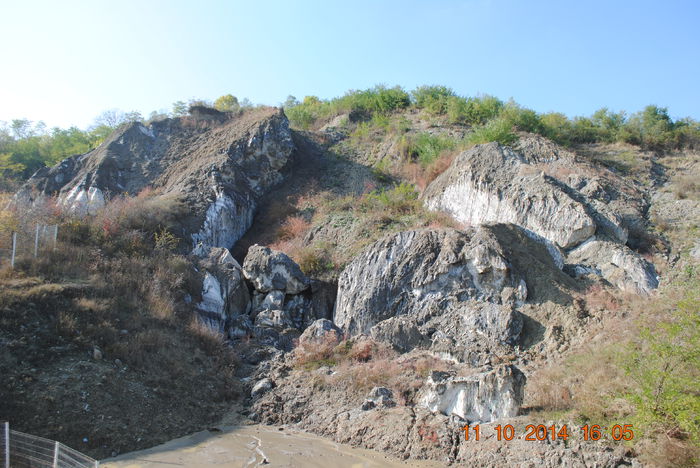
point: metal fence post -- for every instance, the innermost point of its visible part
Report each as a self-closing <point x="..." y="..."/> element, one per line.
<point x="14" y="248"/>
<point x="7" y="439"/>
<point x="36" y="241"/>
<point x="56" y="448"/>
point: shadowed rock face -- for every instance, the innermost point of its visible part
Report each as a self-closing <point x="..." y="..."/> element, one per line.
<point x="218" y="167"/>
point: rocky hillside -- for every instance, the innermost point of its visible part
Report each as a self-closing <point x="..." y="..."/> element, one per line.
<point x="219" y="165"/>
<point x="376" y="301"/>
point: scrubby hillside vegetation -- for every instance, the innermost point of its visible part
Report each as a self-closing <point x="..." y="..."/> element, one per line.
<point x="420" y="244"/>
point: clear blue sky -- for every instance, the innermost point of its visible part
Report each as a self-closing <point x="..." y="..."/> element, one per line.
<point x="66" y="61"/>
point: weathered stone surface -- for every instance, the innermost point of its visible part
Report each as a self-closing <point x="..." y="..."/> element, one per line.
<point x="473" y="327"/>
<point x="272" y="270"/>
<point x="320" y="330"/>
<point x="616" y="263"/>
<point x="484" y="397"/>
<point x="218" y="167"/>
<point x="273" y="300"/>
<point x="273" y="319"/>
<point x="415" y="271"/>
<point x="483" y="185"/>
<point x="492" y="183"/>
<point x="224" y="292"/>
<point x="299" y="309"/>
<point x="401" y="332"/>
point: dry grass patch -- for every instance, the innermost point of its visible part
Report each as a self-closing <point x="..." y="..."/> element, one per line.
<point x="359" y="365"/>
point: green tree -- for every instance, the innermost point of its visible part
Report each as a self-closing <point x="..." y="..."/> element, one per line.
<point x="290" y="102"/>
<point x="179" y="108"/>
<point x="227" y="103"/>
<point x="22" y="128"/>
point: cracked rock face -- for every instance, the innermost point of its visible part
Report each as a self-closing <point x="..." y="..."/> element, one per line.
<point x="218" y="166"/>
<point x="412" y="272"/>
<point x="484" y="397"/>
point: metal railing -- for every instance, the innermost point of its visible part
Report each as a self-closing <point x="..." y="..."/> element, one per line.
<point x="22" y="450"/>
<point x="29" y="244"/>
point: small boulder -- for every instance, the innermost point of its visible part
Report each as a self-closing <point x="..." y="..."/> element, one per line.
<point x="320" y="330"/>
<point x="271" y="270"/>
<point x="224" y="292"/>
<point x="379" y="397"/>
<point x="261" y="387"/>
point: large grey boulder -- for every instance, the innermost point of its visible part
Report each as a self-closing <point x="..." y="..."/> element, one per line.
<point x="486" y="396"/>
<point x="412" y="272"/>
<point x="616" y="263"/>
<point x="218" y="166"/>
<point x="270" y="270"/>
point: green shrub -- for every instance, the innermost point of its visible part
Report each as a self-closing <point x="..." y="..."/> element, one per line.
<point x="666" y="368"/>
<point x="481" y="109"/>
<point x="433" y="99"/>
<point x="557" y="127"/>
<point x="425" y="148"/>
<point x="401" y="199"/>
<point x="300" y="116"/>
<point x="499" y="130"/>
<point x="521" y="118"/>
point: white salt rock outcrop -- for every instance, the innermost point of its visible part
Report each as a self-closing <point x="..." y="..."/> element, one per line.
<point x="579" y="218"/>
<point x="485" y="185"/>
<point x="80" y="201"/>
<point x="224" y="292"/>
<point x="486" y="396"/>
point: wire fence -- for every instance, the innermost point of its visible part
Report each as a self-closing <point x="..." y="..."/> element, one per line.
<point x="22" y="450"/>
<point x="28" y="243"/>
